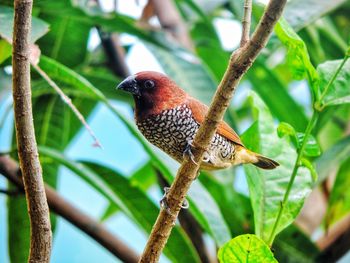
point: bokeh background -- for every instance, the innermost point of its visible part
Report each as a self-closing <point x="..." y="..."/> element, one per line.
<point x="196" y="61"/>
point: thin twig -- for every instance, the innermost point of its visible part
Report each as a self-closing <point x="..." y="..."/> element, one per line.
<point x="60" y="206"/>
<point x="246" y="21"/>
<point x="68" y="101"/>
<point x="240" y="62"/>
<point x="9" y="192"/>
<point x="40" y="227"/>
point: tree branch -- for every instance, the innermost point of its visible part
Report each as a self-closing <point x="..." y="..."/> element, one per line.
<point x="98" y="232"/>
<point x="335" y="243"/>
<point x="189" y="224"/>
<point x="171" y="21"/>
<point x="115" y="53"/>
<point x="239" y="63"/>
<point x="246" y="22"/>
<point x="41" y="236"/>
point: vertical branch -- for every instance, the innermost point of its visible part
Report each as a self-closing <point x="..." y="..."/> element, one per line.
<point x="240" y="62"/>
<point x="170" y="20"/>
<point x="40" y="238"/>
<point x="247" y="16"/>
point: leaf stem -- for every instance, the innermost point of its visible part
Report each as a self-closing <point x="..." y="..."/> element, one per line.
<point x="308" y="130"/>
<point x="329" y="84"/>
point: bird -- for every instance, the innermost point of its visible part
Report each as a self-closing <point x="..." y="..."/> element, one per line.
<point x="169" y="118"/>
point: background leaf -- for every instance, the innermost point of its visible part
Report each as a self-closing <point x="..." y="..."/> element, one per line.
<point x="339" y="200"/>
<point x="246" y="248"/>
<point x="338" y="92"/>
<point x="39" y="27"/>
<point x="267" y="187"/>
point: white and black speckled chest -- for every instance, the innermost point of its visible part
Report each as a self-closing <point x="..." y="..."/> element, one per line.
<point x="173" y="129"/>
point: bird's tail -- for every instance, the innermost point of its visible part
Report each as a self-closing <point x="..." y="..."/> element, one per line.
<point x="245" y="156"/>
<point x="265" y="163"/>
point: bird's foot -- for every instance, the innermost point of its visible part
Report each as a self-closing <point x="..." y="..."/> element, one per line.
<point x="188" y="152"/>
<point x="164" y="202"/>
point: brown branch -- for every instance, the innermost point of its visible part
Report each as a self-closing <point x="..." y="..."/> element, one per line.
<point x="335" y="243"/>
<point x="239" y="63"/>
<point x="98" y="232"/>
<point x="171" y="21"/>
<point x="246" y="21"/>
<point x="40" y="227"/>
<point x="190" y="225"/>
<point x="115" y="53"/>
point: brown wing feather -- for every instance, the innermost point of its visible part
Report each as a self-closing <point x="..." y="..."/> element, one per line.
<point x="199" y="110"/>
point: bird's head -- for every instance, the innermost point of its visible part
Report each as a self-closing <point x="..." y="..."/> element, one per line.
<point x="153" y="92"/>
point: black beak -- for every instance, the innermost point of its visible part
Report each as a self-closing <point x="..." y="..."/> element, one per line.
<point x="130" y="85"/>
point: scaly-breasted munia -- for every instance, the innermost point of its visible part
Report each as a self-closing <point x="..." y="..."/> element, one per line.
<point x="169" y="118"/>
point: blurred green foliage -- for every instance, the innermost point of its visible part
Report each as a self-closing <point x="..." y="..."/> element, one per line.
<point x="308" y="51"/>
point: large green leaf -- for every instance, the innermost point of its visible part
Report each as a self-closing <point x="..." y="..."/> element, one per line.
<point x="331" y="159"/>
<point x="297" y="55"/>
<point x="339" y="200"/>
<point x="267" y="187"/>
<point x="273" y="91"/>
<point x="39" y="27"/>
<point x="118" y="190"/>
<point x="338" y="92"/>
<point x="68" y="38"/>
<point x="209" y="49"/>
<point x="246" y="248"/>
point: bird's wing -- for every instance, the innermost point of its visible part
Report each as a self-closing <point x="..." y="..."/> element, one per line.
<point x="199" y="110"/>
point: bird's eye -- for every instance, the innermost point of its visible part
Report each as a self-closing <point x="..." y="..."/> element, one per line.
<point x="149" y="84"/>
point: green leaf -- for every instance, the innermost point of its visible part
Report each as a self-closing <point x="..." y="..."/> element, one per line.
<point x="65" y="18"/>
<point x="293" y="246"/>
<point x="135" y="204"/>
<point x="111" y="210"/>
<point x="5" y="50"/>
<point x="270" y="87"/>
<point x="144" y="177"/>
<point x="246" y="248"/>
<point x="300" y="13"/>
<point x="312" y="149"/>
<point x="287" y="129"/>
<point x="339" y="201"/>
<point x="39" y="27"/>
<point x="297" y="55"/>
<point x="306" y="163"/>
<point x="331" y="159"/>
<point x="68" y="38"/>
<point x="338" y="92"/>
<point x="267" y="187"/>
<point x="235" y="207"/>
<point x="18" y="228"/>
<point x="64" y="74"/>
<point x="209" y="49"/>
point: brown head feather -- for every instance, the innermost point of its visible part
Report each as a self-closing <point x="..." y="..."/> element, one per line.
<point x="164" y="95"/>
